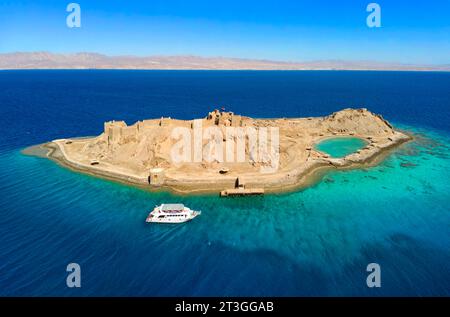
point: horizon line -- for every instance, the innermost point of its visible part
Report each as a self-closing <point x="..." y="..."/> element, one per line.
<point x="95" y="60"/>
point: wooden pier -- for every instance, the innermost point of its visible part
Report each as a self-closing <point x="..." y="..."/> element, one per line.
<point x="242" y="192"/>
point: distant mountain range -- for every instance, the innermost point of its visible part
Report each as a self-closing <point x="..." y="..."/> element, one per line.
<point x="47" y="60"/>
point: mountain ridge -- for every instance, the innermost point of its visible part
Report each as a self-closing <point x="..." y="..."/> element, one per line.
<point x="91" y="60"/>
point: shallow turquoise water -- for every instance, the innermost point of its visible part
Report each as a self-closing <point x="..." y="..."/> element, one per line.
<point x="317" y="241"/>
<point x="340" y="146"/>
<point x="312" y="242"/>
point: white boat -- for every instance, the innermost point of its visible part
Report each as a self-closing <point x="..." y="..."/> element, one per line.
<point x="172" y="213"/>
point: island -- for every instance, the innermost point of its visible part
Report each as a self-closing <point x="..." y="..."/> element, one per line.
<point x="224" y="152"/>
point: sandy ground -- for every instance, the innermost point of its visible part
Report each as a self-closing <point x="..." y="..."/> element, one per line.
<point x="131" y="154"/>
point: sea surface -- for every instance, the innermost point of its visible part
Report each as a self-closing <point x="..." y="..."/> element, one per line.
<point x="312" y="242"/>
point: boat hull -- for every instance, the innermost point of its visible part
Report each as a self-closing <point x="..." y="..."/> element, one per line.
<point x="179" y="219"/>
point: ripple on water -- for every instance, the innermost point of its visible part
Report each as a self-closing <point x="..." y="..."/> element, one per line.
<point x="312" y="241"/>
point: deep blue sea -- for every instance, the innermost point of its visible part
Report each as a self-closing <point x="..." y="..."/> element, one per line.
<point x="316" y="241"/>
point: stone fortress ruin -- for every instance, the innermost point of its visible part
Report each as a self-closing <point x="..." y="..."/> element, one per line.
<point x="142" y="153"/>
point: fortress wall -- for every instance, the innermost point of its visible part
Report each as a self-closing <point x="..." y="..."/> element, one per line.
<point x="141" y="125"/>
<point x="236" y="121"/>
<point x="113" y="123"/>
<point x="127" y="132"/>
<point x="113" y="131"/>
<point x="165" y="122"/>
<point x="180" y="123"/>
<point x="156" y="177"/>
<point x="114" y="134"/>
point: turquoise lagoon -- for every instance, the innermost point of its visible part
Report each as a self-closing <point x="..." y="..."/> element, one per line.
<point x="313" y="242"/>
<point x="340" y="146"/>
<point x="317" y="241"/>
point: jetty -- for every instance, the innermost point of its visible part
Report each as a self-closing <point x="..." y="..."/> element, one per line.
<point x="241" y="190"/>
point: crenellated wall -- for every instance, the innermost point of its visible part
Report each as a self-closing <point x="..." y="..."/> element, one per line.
<point x="113" y="131"/>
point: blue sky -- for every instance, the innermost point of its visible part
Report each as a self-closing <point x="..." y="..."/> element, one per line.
<point x="411" y="32"/>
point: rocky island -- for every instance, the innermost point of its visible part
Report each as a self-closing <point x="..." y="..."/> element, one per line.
<point x="224" y="151"/>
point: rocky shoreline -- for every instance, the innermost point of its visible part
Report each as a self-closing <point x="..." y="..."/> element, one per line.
<point x="300" y="164"/>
